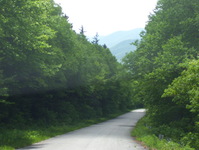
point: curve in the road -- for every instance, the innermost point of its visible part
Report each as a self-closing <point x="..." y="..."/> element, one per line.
<point x="110" y="135"/>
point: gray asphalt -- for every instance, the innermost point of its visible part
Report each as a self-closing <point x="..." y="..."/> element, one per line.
<point x="110" y="135"/>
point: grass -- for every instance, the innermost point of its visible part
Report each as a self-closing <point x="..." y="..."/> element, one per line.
<point x="143" y="133"/>
<point x="17" y="138"/>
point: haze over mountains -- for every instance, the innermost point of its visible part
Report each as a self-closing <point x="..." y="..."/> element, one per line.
<point x="122" y="48"/>
<point x="119" y="42"/>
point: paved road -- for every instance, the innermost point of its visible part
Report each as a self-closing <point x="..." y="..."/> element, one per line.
<point x="110" y="135"/>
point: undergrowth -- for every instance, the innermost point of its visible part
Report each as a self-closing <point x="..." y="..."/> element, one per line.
<point x="11" y="139"/>
<point x="143" y="133"/>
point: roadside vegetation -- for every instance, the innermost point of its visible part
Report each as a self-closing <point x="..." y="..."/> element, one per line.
<point x="144" y="133"/>
<point x="165" y="73"/>
<point x="52" y="78"/>
<point x="27" y="135"/>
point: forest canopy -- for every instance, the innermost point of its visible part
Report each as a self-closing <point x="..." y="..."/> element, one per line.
<point x="164" y="70"/>
<point x="49" y="73"/>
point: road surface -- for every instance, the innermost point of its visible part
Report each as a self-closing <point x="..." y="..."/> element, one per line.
<point x="110" y="135"/>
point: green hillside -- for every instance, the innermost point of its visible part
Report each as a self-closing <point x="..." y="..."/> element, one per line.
<point x="119" y="42"/>
<point x="117" y="37"/>
<point x="122" y="48"/>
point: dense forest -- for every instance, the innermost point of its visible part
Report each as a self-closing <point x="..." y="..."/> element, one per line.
<point x="49" y="74"/>
<point x="165" y="71"/>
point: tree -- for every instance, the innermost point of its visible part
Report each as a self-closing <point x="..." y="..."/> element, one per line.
<point x="104" y="46"/>
<point x="170" y="40"/>
<point x="82" y="32"/>
<point x="96" y="39"/>
<point x="184" y="90"/>
<point x="49" y="74"/>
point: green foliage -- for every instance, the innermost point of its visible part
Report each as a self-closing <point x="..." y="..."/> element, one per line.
<point x="51" y="75"/>
<point x="17" y="138"/>
<point x="164" y="69"/>
<point x="144" y="132"/>
<point x="184" y="89"/>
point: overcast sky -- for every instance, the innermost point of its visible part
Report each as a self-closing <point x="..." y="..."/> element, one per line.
<point x="107" y="16"/>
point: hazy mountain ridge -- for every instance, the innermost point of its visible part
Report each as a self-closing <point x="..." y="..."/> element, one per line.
<point x="122" y="48"/>
<point x="117" y="37"/>
<point x="119" y="42"/>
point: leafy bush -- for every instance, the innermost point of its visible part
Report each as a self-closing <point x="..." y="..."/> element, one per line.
<point x="143" y="132"/>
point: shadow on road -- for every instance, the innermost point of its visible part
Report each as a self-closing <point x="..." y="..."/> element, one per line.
<point x="106" y="133"/>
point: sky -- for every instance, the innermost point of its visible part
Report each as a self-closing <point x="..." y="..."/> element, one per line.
<point x="107" y="16"/>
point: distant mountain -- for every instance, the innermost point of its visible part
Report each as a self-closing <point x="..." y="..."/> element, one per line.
<point x="122" y="48"/>
<point x="119" y="42"/>
<point x="117" y="37"/>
